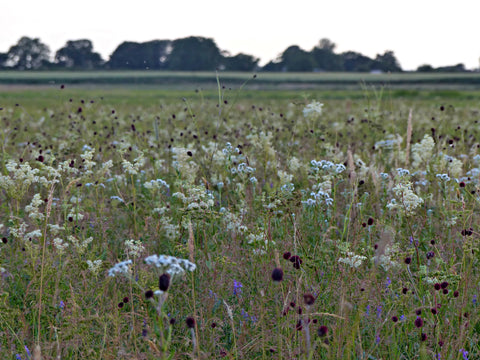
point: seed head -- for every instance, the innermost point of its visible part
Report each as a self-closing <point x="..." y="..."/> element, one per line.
<point x="419" y="322"/>
<point x="149" y="294"/>
<point x="322" y="331"/>
<point x="277" y="274"/>
<point x="308" y="299"/>
<point x="190" y="321"/>
<point x="164" y="282"/>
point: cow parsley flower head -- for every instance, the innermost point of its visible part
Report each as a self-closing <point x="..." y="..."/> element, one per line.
<point x="312" y="109"/>
<point x="170" y="264"/>
<point x="120" y="268"/>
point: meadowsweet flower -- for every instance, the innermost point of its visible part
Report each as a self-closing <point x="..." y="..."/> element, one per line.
<point x="133" y="247"/>
<point x="408" y="201"/>
<point x="60" y="245"/>
<point x="33" y="208"/>
<point x="80" y="246"/>
<point x="423" y="151"/>
<point x="352" y="259"/>
<point x="120" y="268"/>
<point x="94" y="266"/>
<point x="312" y="109"/>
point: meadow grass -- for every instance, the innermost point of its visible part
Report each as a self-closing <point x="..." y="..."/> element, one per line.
<point x="288" y="230"/>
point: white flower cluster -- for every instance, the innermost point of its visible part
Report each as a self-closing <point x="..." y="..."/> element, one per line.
<point x="387" y="259"/>
<point x="60" y="245"/>
<point x="20" y="178"/>
<point x="94" y="266"/>
<point x="242" y="168"/>
<point x="312" y="109"/>
<point x="81" y="246"/>
<point x="423" y="151"/>
<point x="88" y="164"/>
<point x="134" y="168"/>
<point x="389" y="143"/>
<point x="120" y="268"/>
<point x="408" y="201"/>
<point x="75" y="215"/>
<point x="233" y="221"/>
<point x="184" y="164"/>
<point x="454" y="166"/>
<point x="443" y="177"/>
<point x="352" y="259"/>
<point x="328" y="166"/>
<point x="196" y="198"/>
<point x="170" y="264"/>
<point x="133" y="247"/>
<point x="156" y="184"/>
<point x="32" y="209"/>
<point x="169" y="229"/>
<point x="320" y="194"/>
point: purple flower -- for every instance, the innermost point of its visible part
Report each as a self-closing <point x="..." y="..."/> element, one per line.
<point x="464" y="354"/>
<point x="237" y="287"/>
<point x="29" y="354"/>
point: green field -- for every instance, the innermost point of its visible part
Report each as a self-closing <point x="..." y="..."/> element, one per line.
<point x="348" y="231"/>
<point x="262" y="80"/>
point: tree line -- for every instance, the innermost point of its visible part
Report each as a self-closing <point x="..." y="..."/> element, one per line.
<point x="196" y="54"/>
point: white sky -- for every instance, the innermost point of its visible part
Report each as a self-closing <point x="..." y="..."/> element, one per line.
<point x="437" y="32"/>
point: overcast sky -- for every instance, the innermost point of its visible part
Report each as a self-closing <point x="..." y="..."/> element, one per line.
<point x="437" y="32"/>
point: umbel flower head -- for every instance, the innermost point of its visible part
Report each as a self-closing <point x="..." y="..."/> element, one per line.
<point x="120" y="268"/>
<point x="314" y="108"/>
<point x="170" y="265"/>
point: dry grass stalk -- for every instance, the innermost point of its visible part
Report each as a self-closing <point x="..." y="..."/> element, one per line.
<point x="351" y="167"/>
<point x="409" y="138"/>
<point x="191" y="241"/>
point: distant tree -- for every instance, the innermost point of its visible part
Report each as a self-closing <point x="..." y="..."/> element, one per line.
<point x="135" y="56"/>
<point x="325" y="58"/>
<point x="240" y="62"/>
<point x="452" y="68"/>
<point x="28" y="54"/>
<point x="273" y="66"/>
<point x="3" y="60"/>
<point x="193" y="54"/>
<point x="78" y="54"/>
<point x="296" y="59"/>
<point x="356" y="62"/>
<point x="425" y="68"/>
<point x="387" y="62"/>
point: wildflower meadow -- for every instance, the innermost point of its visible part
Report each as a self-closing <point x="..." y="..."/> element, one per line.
<point x="226" y="226"/>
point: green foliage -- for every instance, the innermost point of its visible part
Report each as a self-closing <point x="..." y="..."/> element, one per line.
<point x="28" y="54"/>
<point x="78" y="54"/>
<point x="194" y="54"/>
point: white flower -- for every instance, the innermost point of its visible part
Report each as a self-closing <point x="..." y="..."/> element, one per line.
<point x="352" y="259"/>
<point x="120" y="268"/>
<point x="408" y="201"/>
<point x="134" y="247"/>
<point x="94" y="266"/>
<point x="314" y="108"/>
<point x="170" y="264"/>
